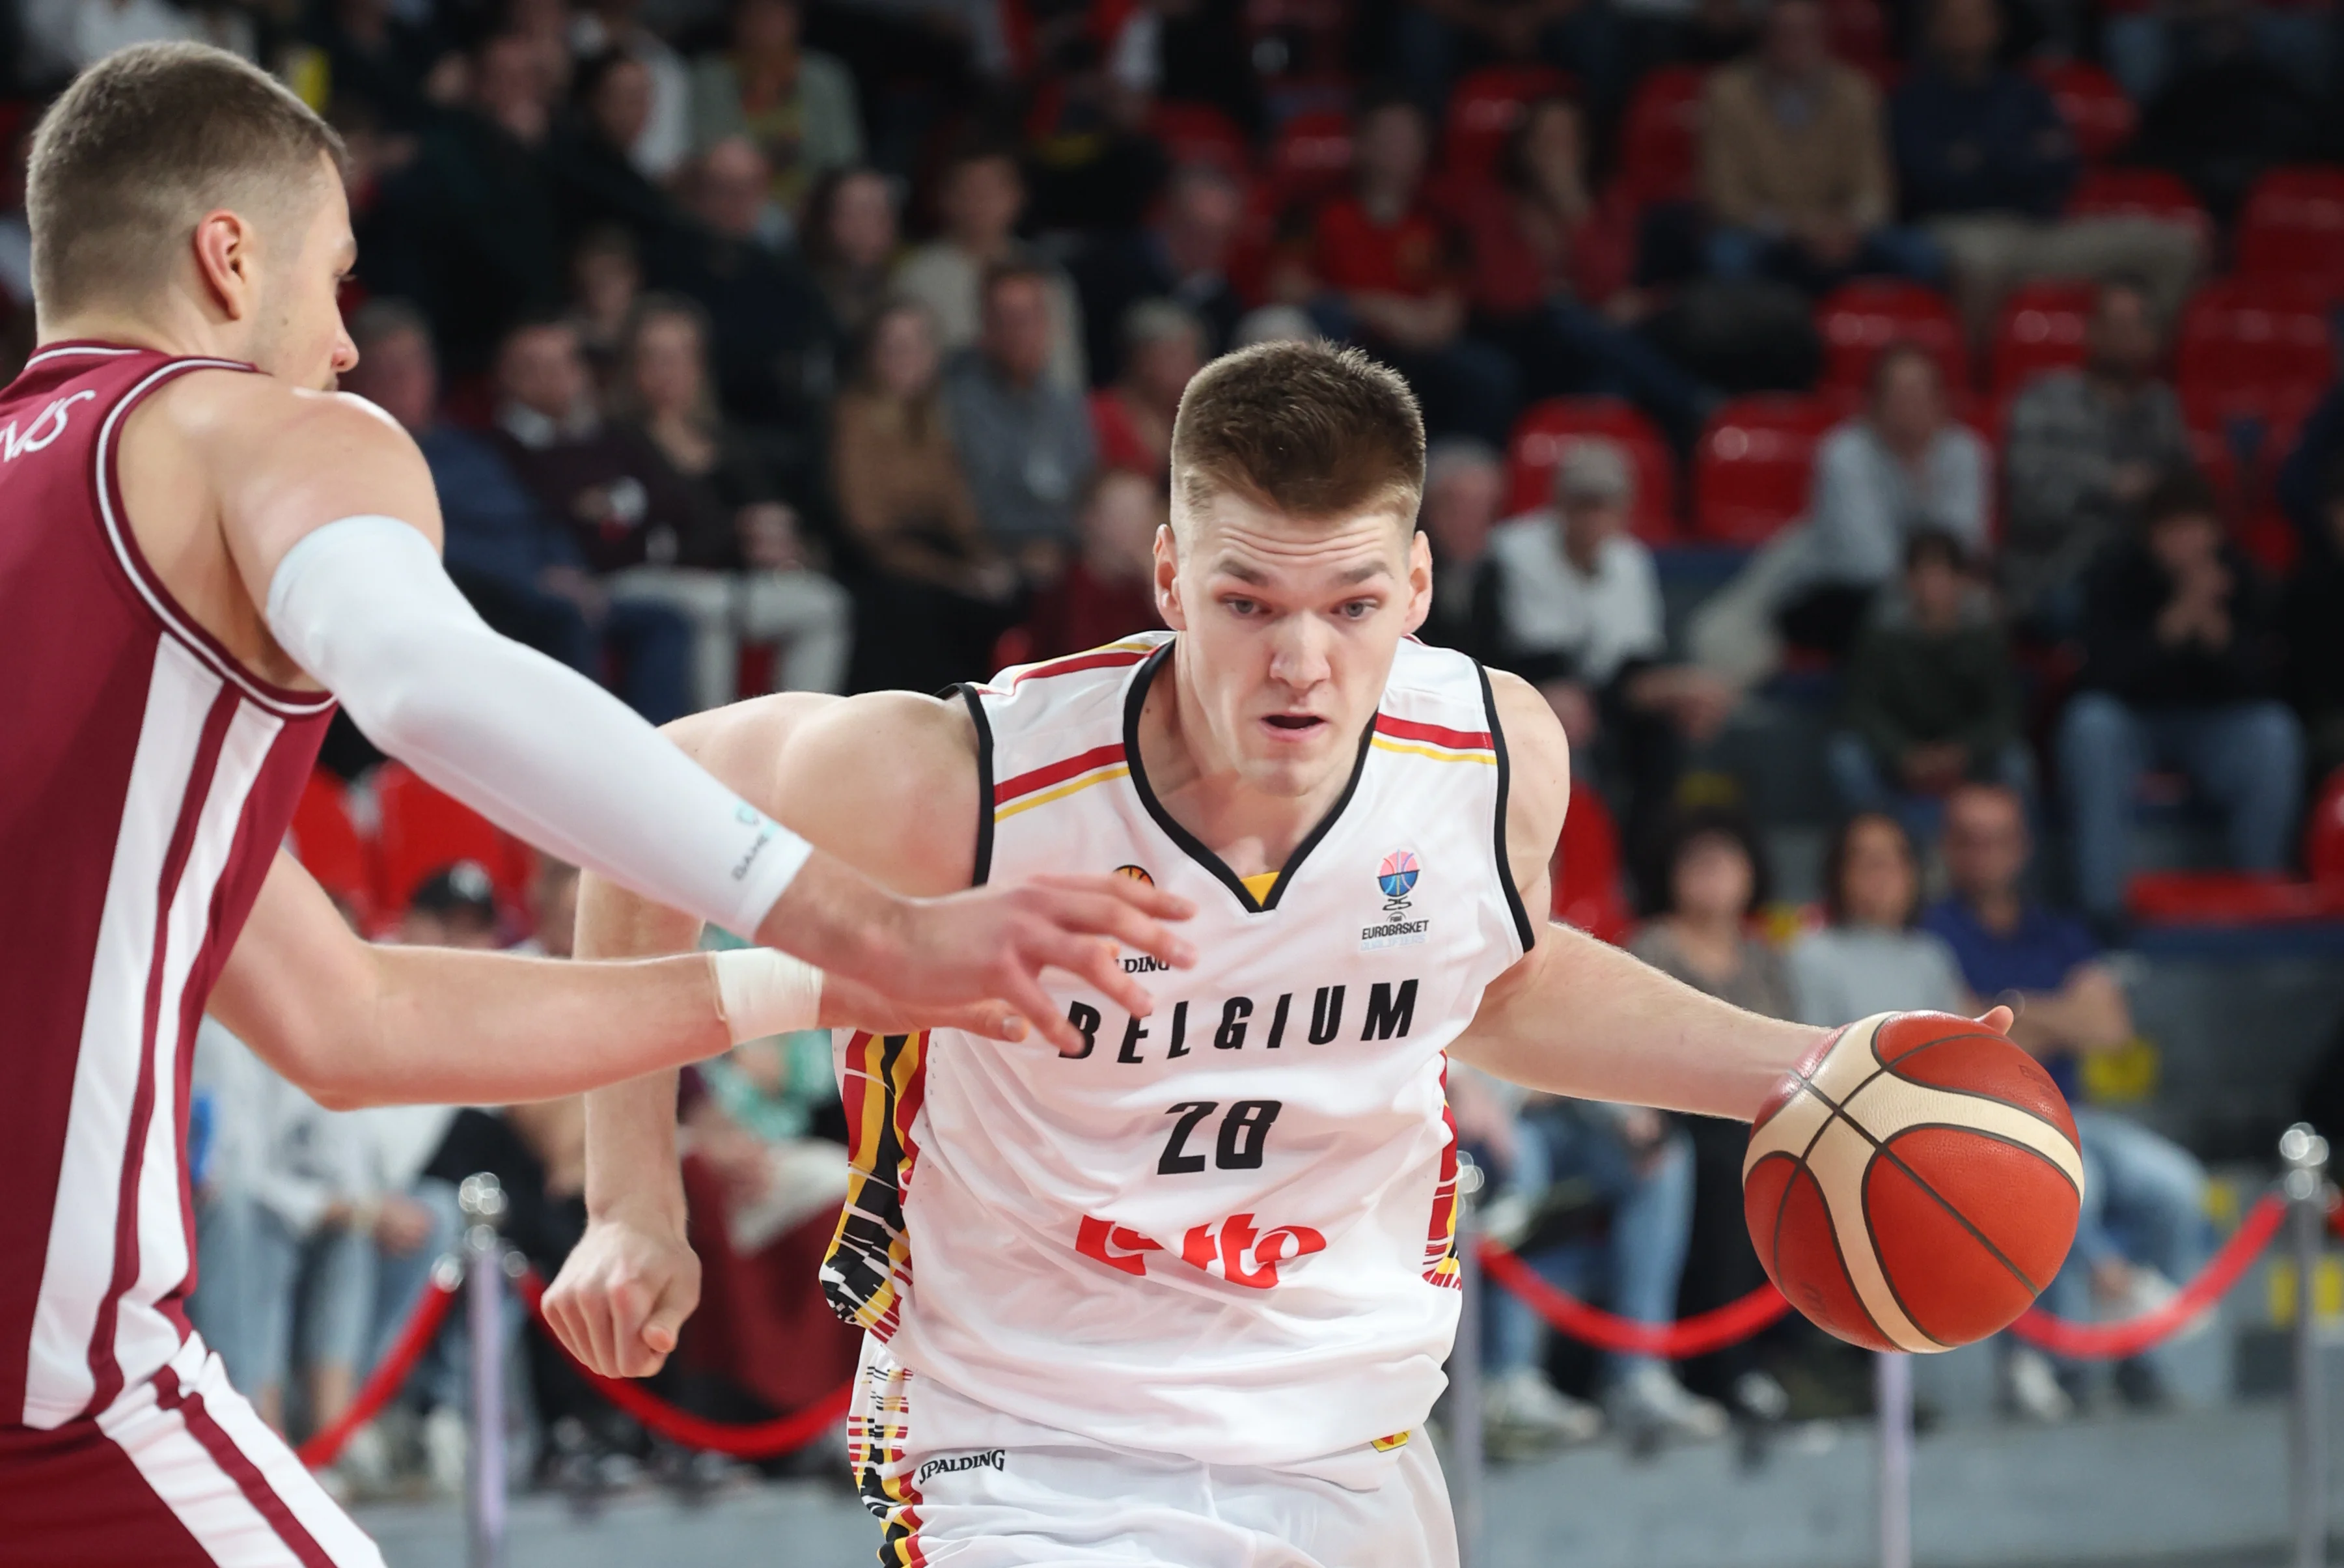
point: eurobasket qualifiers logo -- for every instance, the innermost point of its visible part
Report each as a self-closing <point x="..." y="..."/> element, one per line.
<point x="1396" y="878"/>
<point x="1136" y="873"/>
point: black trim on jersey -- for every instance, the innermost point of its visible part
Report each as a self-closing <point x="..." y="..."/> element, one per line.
<point x="983" y="869"/>
<point x="1137" y="698"/>
<point x="1522" y="925"/>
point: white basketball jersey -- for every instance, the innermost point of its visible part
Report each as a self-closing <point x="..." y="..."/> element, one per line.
<point x="1224" y="1231"/>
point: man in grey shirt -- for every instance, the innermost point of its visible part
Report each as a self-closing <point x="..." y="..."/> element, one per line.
<point x="1025" y="441"/>
<point x="2086" y="445"/>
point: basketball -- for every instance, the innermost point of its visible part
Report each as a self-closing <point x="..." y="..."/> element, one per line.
<point x="1913" y="1184"/>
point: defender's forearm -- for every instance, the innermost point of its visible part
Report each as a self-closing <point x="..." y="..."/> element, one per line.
<point x="1580" y="1017"/>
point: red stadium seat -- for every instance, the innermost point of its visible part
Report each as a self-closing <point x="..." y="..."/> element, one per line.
<point x="423" y="830"/>
<point x="2094" y="105"/>
<point x="1201" y="133"/>
<point x="2323" y="836"/>
<point x="1660" y="137"/>
<point x="2293" y="227"/>
<point x="1752" y="473"/>
<point x="2224" y="898"/>
<point x="2040" y="329"/>
<point x="1312" y="156"/>
<point x="1858" y="319"/>
<point x="1547" y="429"/>
<point x="2255" y="347"/>
<point x="1584" y="878"/>
<point x="1485" y="108"/>
<point x="325" y="838"/>
<point x="2137" y="193"/>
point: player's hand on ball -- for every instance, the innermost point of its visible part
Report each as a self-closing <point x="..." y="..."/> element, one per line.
<point x="621" y="1297"/>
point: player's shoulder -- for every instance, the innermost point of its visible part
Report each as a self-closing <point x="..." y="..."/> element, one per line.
<point x="1538" y="758"/>
<point x="248" y="419"/>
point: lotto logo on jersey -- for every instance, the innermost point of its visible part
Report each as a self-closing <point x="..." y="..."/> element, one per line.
<point x="1396" y="874"/>
<point x="1232" y="1250"/>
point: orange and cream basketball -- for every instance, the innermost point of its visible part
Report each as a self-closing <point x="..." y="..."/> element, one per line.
<point x="1912" y="1185"/>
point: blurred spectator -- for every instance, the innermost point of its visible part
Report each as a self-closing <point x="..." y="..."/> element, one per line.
<point x="775" y="340"/>
<point x="2314" y="626"/>
<point x="455" y="906"/>
<point x="982" y="195"/>
<point x="591" y="158"/>
<point x="850" y="242"/>
<point x="1579" y="613"/>
<point x="938" y="592"/>
<point x="2142" y="1230"/>
<point x="2181" y="668"/>
<point x="2224" y="113"/>
<point x="1869" y="958"/>
<point x="758" y="586"/>
<point x="1025" y="439"/>
<point x="1550" y="274"/>
<point x="61" y="37"/>
<point x="1903" y="469"/>
<point x="1550" y="1157"/>
<point x="1703" y="886"/>
<point x="516" y="563"/>
<point x="1276" y="324"/>
<point x="15" y="230"/>
<point x="1931" y="699"/>
<point x="611" y="26"/>
<point x="1435" y="42"/>
<point x="1391" y="265"/>
<point x="1109" y="590"/>
<point x="378" y="56"/>
<point x="1163" y="345"/>
<point x="472" y="230"/>
<point x="797" y="105"/>
<point x="1093" y="164"/>
<point x="1794" y="163"/>
<point x="606" y="278"/>
<point x="1464" y="489"/>
<point x="1985" y="160"/>
<point x="2084" y="446"/>
<point x="1183" y="255"/>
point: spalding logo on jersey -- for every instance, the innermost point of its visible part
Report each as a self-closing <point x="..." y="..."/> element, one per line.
<point x="1397" y="877"/>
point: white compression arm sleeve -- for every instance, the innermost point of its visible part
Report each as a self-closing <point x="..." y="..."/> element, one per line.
<point x="364" y="605"/>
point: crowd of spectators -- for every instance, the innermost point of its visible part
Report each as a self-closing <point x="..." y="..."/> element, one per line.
<point x="760" y="345"/>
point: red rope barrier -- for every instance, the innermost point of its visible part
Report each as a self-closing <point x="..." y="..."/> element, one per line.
<point x="384" y="1381"/>
<point x="1694" y="1336"/>
<point x="762" y="1440"/>
<point x="2115" y="1341"/>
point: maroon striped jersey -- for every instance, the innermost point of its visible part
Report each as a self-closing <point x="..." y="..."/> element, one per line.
<point x="148" y="780"/>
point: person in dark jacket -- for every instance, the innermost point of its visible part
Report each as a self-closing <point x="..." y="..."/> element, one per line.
<point x="1932" y="700"/>
<point x="2181" y="668"/>
<point x="590" y="160"/>
<point x="2314" y="629"/>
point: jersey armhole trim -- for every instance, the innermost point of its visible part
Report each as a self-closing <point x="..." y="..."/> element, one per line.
<point x="1523" y="928"/>
<point x="982" y="869"/>
<point x="286" y="702"/>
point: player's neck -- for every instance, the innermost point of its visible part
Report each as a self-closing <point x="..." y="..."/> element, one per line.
<point x="174" y="332"/>
<point x="1198" y="781"/>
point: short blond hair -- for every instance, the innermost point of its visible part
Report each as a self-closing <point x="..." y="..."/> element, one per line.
<point x="1307" y="430"/>
<point x="143" y="145"/>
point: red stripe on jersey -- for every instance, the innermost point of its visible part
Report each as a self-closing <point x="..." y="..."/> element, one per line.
<point x="103" y="1369"/>
<point x="1081" y="661"/>
<point x="239" y="1468"/>
<point x="1008" y="790"/>
<point x="1455" y="740"/>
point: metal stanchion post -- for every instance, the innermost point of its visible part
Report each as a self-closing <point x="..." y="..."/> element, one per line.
<point x="2305" y="1153"/>
<point x="1893" y="1394"/>
<point x="1465" y="1458"/>
<point x="483" y="1199"/>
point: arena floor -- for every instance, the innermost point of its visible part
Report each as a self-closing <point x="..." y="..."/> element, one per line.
<point x="2200" y="1489"/>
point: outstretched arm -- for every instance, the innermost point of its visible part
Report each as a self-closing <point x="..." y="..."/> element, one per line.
<point x="330" y="520"/>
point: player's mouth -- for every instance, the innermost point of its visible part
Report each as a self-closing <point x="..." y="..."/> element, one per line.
<point x="1293" y="726"/>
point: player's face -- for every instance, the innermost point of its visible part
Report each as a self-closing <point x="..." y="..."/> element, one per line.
<point x="1288" y="628"/>
<point x="296" y="331"/>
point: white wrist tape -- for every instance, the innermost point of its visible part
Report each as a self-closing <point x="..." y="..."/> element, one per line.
<point x="365" y="607"/>
<point x="760" y="992"/>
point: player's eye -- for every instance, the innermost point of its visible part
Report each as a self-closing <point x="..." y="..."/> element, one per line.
<point x="1237" y="606"/>
<point x="1357" y="608"/>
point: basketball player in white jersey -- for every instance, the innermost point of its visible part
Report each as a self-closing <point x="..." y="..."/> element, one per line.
<point x="1182" y="1294"/>
<point x="201" y="549"/>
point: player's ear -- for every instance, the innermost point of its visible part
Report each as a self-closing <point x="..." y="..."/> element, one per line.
<point x="1419" y="578"/>
<point x="227" y="259"/>
<point x="1168" y="578"/>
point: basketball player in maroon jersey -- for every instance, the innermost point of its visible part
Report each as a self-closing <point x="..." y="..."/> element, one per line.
<point x="201" y="549"/>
